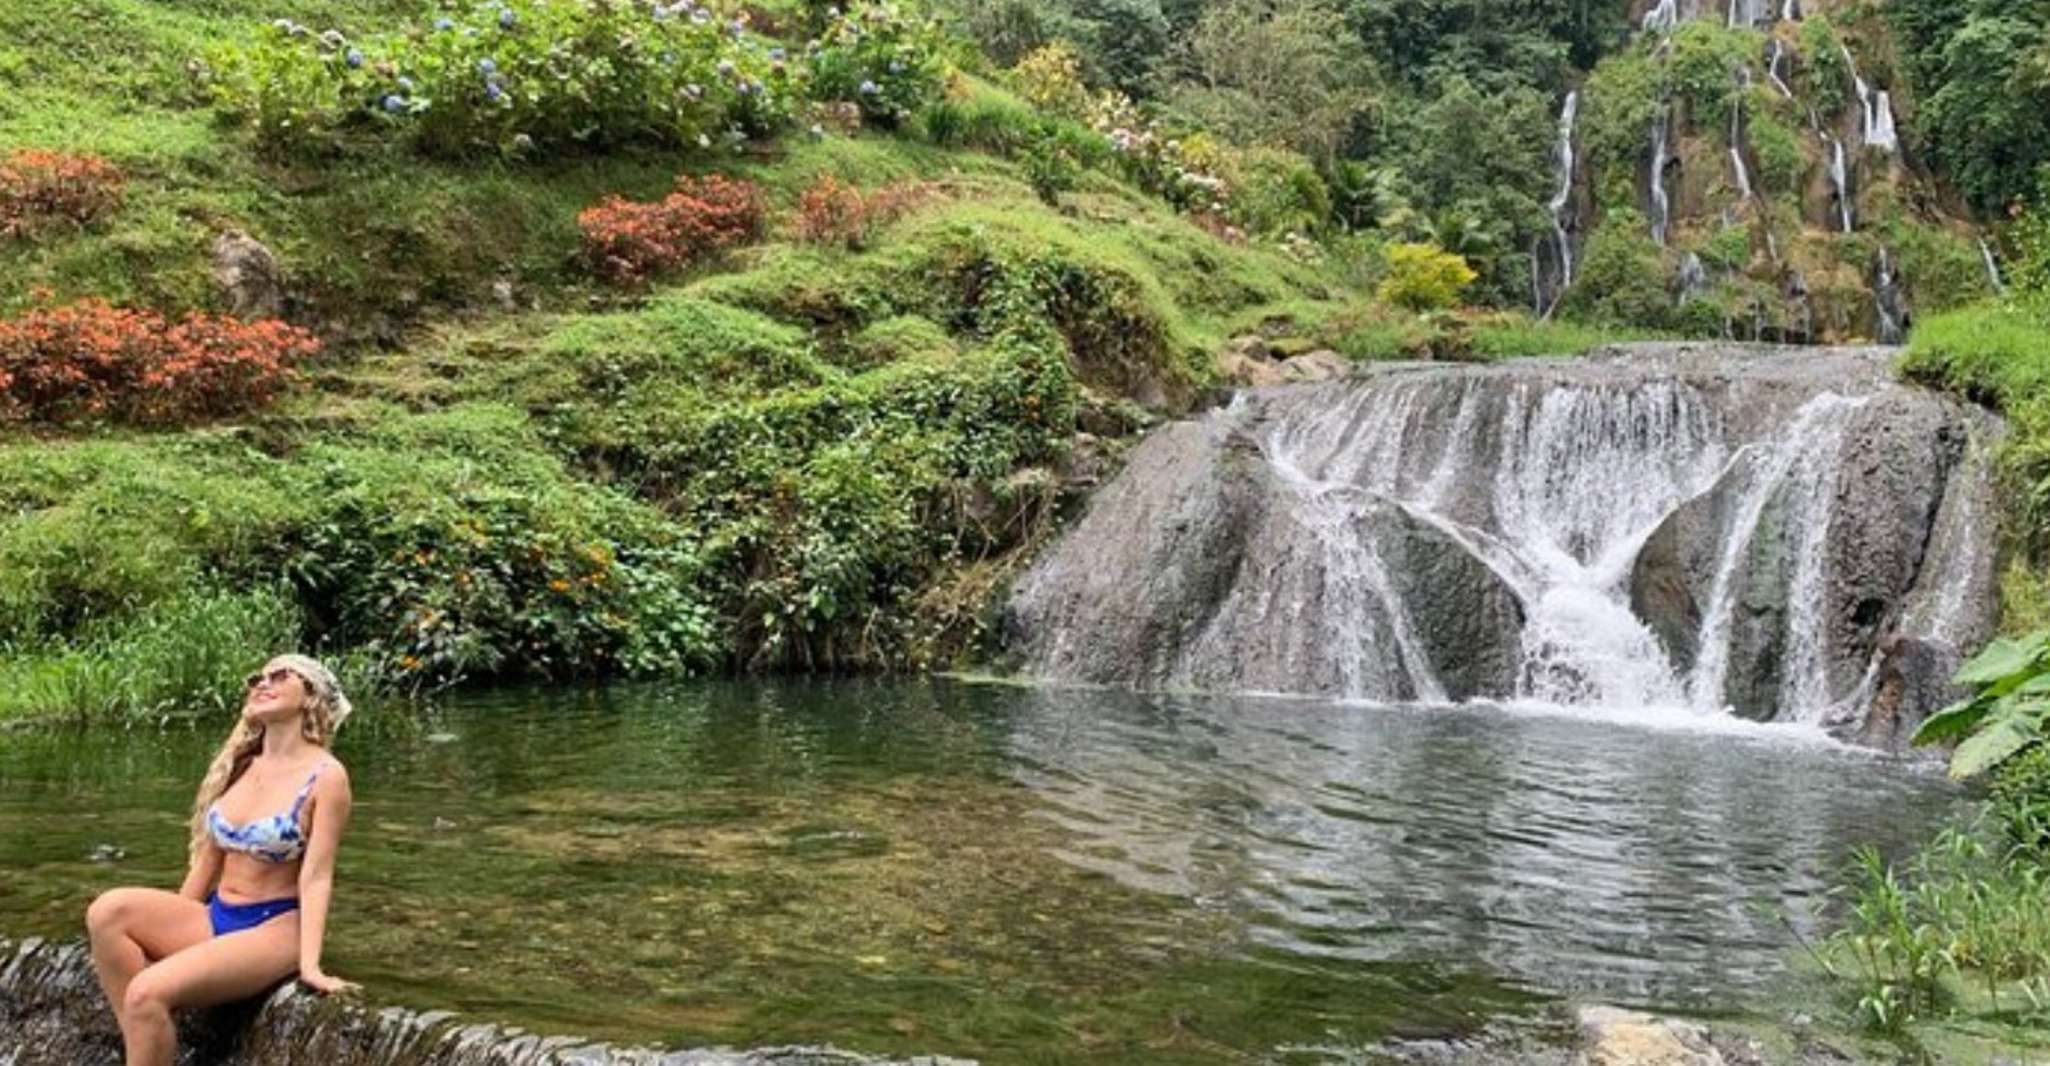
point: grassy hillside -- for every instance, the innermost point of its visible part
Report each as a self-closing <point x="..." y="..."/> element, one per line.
<point x="800" y="453"/>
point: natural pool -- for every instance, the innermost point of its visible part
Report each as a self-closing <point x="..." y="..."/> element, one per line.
<point x="1011" y="873"/>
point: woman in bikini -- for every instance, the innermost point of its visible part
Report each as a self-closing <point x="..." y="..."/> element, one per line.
<point x="254" y="905"/>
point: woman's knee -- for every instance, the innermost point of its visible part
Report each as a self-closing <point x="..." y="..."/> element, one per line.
<point x="146" y="997"/>
<point x="110" y="911"/>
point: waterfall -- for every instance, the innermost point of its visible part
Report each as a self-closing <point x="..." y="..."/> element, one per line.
<point x="1775" y="57"/>
<point x="1887" y="299"/>
<point x="1662" y="17"/>
<point x="1840" y="180"/>
<point x="1693" y="277"/>
<point x="1796" y="479"/>
<point x="1685" y="530"/>
<point x="1879" y="131"/>
<point x="1875" y="107"/>
<point x="1745" y="14"/>
<point x="1661" y="205"/>
<point x="1741" y="172"/>
<point x="1993" y="277"/>
<point x="1790" y="11"/>
<point x="1560" y="206"/>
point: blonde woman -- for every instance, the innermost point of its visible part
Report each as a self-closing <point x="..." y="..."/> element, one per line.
<point x="254" y="905"/>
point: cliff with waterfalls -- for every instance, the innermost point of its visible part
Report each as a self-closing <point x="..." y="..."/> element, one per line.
<point x="1759" y="161"/>
<point x="1684" y="530"/>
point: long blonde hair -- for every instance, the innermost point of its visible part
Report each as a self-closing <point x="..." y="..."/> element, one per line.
<point x="319" y="719"/>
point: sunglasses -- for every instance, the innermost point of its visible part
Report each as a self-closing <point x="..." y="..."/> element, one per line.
<point x="276" y="676"/>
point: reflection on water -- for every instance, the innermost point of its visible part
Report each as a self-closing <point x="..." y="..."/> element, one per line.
<point x="1007" y="872"/>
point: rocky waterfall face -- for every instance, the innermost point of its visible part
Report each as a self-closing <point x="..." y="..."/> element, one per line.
<point x="1678" y="528"/>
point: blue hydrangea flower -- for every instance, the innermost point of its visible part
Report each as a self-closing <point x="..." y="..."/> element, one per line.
<point x="487" y="66"/>
<point x="443" y="25"/>
<point x="776" y="54"/>
<point x="896" y="66"/>
<point x="505" y="18"/>
<point x="869" y="88"/>
<point x="354" y="58"/>
<point x="492" y="92"/>
<point x="405" y="83"/>
<point x="394" y="103"/>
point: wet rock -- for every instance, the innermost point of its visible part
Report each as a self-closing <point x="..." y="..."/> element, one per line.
<point x="1320" y="365"/>
<point x="1913" y="681"/>
<point x="247" y="276"/>
<point x="53" y="1014"/>
<point x="1613" y="1037"/>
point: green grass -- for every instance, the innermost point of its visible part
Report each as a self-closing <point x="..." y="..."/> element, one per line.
<point x="1995" y="353"/>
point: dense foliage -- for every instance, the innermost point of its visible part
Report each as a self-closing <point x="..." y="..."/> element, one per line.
<point x="630" y="242"/>
<point x="1980" y="70"/>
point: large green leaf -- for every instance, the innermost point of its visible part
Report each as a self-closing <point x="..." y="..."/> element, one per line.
<point x="1989" y="747"/>
<point x="2003" y="660"/>
<point x="1953" y="721"/>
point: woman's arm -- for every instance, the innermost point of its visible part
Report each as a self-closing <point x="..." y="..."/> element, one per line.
<point x="202" y="873"/>
<point x="331" y="800"/>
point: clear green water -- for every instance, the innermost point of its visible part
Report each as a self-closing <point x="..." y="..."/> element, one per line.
<point x="1014" y="874"/>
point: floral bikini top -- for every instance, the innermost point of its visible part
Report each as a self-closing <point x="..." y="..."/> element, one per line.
<point x="273" y="839"/>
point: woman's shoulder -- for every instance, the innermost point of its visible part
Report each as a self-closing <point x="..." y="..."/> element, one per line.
<point x="329" y="775"/>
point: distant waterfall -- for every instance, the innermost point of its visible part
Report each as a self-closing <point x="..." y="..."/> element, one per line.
<point x="1886" y="292"/>
<point x="1663" y="17"/>
<point x="1661" y="153"/>
<point x="1775" y="59"/>
<point x="1560" y="208"/>
<point x="1738" y="169"/>
<point x="1875" y="107"/>
<point x="1840" y="181"/>
<point x="1993" y="277"/>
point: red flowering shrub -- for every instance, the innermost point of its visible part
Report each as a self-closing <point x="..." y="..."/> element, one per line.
<point x="93" y="360"/>
<point x="834" y="211"/>
<point x="630" y="242"/>
<point x="38" y="188"/>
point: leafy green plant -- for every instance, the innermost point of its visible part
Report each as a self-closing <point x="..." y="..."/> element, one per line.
<point x="1423" y="277"/>
<point x="2005" y="714"/>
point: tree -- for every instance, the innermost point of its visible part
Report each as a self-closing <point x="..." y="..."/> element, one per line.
<point x="1280" y="72"/>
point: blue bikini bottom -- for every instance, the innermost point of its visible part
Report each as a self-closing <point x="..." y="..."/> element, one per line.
<point x="235" y="917"/>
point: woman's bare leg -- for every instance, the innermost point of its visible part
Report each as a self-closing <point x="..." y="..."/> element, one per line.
<point x="221" y="969"/>
<point x="129" y="928"/>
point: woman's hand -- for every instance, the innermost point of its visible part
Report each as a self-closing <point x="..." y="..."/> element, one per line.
<point x="325" y="985"/>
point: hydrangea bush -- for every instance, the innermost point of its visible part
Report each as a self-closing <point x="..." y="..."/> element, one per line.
<point x="515" y="76"/>
<point x="879" y="57"/>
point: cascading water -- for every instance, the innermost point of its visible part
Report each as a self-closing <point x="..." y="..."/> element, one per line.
<point x="1840" y="181"/>
<point x="1560" y="209"/>
<point x="1738" y="170"/>
<point x="1662" y="17"/>
<point x="1775" y="60"/>
<point x="1745" y="14"/>
<point x="1661" y="148"/>
<point x="1875" y="106"/>
<point x="1693" y="277"/>
<point x="1790" y="11"/>
<point x="1886" y="293"/>
<point x="1693" y="531"/>
<point x="1993" y="277"/>
<point x="1879" y="131"/>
